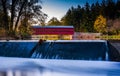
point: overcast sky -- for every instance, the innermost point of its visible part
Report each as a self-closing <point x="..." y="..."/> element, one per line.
<point x="58" y="8"/>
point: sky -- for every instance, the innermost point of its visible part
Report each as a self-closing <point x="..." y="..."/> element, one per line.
<point x="58" y="8"/>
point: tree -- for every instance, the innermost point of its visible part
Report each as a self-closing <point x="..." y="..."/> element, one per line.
<point x="54" y="21"/>
<point x="83" y="18"/>
<point x="100" y="24"/>
<point x="73" y="17"/>
<point x="76" y="17"/>
<point x="118" y="9"/>
<point x="1" y="20"/>
<point x="103" y="6"/>
<point x="87" y="18"/>
<point x="14" y="11"/>
<point x="24" y="29"/>
<point x="110" y="9"/>
<point x="97" y="9"/>
<point x="116" y="26"/>
<point x="4" y="5"/>
<point x="67" y="18"/>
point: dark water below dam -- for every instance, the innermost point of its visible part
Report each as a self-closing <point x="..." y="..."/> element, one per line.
<point x="60" y="49"/>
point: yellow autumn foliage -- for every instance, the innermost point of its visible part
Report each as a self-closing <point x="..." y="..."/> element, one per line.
<point x="100" y="24"/>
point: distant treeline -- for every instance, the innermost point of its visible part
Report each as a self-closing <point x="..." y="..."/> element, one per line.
<point x="83" y="18"/>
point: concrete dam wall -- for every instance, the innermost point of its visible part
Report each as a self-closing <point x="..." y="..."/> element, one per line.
<point x="114" y="50"/>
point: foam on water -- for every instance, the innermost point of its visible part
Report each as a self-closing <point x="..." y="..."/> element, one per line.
<point x="19" y="40"/>
<point x="47" y="67"/>
<point x="76" y="41"/>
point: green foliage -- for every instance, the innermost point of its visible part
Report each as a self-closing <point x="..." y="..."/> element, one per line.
<point x="83" y="18"/>
<point x="110" y="37"/>
<point x="18" y="11"/>
<point x="80" y="18"/>
<point x="115" y="28"/>
<point x="2" y="31"/>
<point x="54" y="21"/>
<point x="100" y="24"/>
<point x="24" y="29"/>
<point x="72" y="17"/>
<point x="1" y="19"/>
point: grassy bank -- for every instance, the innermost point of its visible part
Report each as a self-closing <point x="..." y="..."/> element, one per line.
<point x="110" y="37"/>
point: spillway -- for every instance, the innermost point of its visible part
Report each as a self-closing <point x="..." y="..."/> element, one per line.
<point x="59" y="49"/>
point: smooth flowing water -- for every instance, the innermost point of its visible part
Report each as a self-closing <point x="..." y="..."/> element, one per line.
<point x="60" y="49"/>
<point x="79" y="49"/>
<point x="52" y="67"/>
<point x="57" y="58"/>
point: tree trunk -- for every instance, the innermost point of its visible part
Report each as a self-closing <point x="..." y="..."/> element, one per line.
<point x="19" y="15"/>
<point x="6" y="22"/>
<point x="12" y="14"/>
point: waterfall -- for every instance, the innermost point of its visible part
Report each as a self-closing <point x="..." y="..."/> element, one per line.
<point x="73" y="49"/>
<point x="107" y="49"/>
<point x="59" y="49"/>
<point x="16" y="48"/>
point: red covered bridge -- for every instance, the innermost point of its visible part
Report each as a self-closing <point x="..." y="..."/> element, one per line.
<point x="53" y="32"/>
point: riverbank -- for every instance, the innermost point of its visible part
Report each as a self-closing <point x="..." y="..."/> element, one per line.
<point x="114" y="49"/>
<point x="116" y="44"/>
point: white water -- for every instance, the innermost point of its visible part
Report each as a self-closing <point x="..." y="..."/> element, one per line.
<point x="80" y="40"/>
<point x="54" y="41"/>
<point x="106" y="55"/>
<point x="19" y="41"/>
<point x="64" y="50"/>
<point x="46" y="67"/>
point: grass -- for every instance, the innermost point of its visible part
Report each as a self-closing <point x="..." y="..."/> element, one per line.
<point x="110" y="37"/>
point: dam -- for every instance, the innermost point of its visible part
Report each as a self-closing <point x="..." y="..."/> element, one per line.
<point x="75" y="50"/>
<point x="59" y="49"/>
<point x="58" y="58"/>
